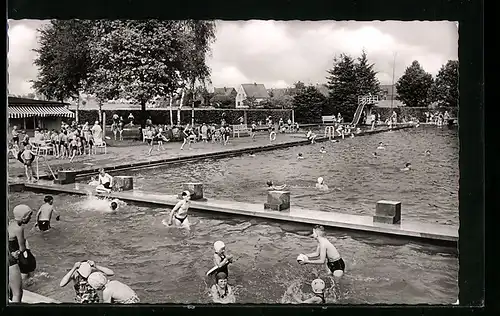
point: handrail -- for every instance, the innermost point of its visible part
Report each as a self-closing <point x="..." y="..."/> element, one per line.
<point x="37" y="168"/>
<point x="329" y="132"/>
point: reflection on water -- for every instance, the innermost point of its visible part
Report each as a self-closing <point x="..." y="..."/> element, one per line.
<point x="168" y="265"/>
<point x="429" y="193"/>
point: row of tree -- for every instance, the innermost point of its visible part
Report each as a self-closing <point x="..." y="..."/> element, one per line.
<point x="137" y="60"/>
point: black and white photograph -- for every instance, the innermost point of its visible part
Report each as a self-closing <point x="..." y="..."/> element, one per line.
<point x="233" y="162"/>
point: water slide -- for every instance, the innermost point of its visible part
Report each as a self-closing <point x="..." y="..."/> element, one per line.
<point x="357" y="114"/>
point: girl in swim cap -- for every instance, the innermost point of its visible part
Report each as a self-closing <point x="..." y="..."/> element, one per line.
<point x="321" y="184"/>
<point x="318" y="289"/>
<point x="112" y="291"/>
<point x="221" y="260"/>
<point x="221" y="292"/>
<point x="17" y="247"/>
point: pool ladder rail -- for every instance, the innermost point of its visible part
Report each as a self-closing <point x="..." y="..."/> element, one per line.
<point x="38" y="167"/>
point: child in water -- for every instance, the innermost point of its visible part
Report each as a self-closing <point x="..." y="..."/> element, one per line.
<point x="44" y="214"/>
<point x="179" y="214"/>
<point x="299" y="156"/>
<point x="322" y="150"/>
<point x="381" y="145"/>
<point x="271" y="186"/>
<point x="321" y="185"/>
<point x="318" y="289"/>
<point x="407" y="167"/>
<point x="112" y="291"/>
<point x="221" y="260"/>
<point x="221" y="292"/>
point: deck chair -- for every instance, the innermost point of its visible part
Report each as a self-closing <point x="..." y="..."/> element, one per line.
<point x="101" y="144"/>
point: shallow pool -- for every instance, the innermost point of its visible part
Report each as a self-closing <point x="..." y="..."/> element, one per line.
<point x="164" y="265"/>
<point x="429" y="193"/>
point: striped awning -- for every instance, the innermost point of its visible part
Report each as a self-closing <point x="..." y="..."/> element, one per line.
<point x="21" y="111"/>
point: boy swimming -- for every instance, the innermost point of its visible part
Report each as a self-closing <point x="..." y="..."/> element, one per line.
<point x="299" y="156"/>
<point x="322" y="150"/>
<point x="407" y="167"/>
<point x="44" y="214"/>
<point x="321" y="185"/>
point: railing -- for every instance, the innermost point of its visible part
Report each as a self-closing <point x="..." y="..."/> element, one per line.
<point x="368" y="99"/>
<point x="329" y="132"/>
<point x="38" y="167"/>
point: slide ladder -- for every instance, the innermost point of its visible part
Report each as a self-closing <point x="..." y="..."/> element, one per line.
<point x="38" y="170"/>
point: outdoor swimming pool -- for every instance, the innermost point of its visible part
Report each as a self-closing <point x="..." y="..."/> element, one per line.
<point x="429" y="193"/>
<point x="165" y="266"/>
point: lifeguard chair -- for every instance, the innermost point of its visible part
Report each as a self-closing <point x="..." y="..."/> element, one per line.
<point x="366" y="103"/>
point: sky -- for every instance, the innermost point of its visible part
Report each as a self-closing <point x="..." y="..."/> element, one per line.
<point x="280" y="53"/>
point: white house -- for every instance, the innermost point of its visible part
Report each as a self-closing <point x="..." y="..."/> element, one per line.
<point x="250" y="90"/>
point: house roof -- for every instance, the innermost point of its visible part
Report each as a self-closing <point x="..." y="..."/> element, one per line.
<point x="255" y="90"/>
<point x="224" y="91"/>
<point x="33" y="102"/>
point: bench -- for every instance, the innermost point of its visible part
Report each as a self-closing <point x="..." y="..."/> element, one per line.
<point x="328" y="119"/>
<point x="240" y="128"/>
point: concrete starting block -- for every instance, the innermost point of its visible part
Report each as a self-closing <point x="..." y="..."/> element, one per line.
<point x="388" y="212"/>
<point x="123" y="183"/>
<point x="65" y="177"/>
<point x="278" y="201"/>
<point x="196" y="189"/>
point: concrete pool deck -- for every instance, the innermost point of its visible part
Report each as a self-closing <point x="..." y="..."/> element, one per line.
<point x="34" y="298"/>
<point x="134" y="157"/>
<point x="407" y="229"/>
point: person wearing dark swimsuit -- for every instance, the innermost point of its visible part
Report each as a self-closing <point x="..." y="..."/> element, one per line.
<point x="318" y="288"/>
<point x="220" y="258"/>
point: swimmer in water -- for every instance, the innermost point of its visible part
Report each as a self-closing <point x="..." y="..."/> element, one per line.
<point x="271" y="186"/>
<point x="321" y="184"/>
<point x="252" y="154"/>
<point x="380" y="146"/>
<point x="221" y="292"/>
<point x="322" y="150"/>
<point x="374" y="154"/>
<point x="407" y="167"/>
<point x="326" y="253"/>
<point x="427" y="152"/>
<point x="299" y="156"/>
<point x="113" y="205"/>
<point x="318" y="289"/>
<point x="179" y="215"/>
<point x="113" y="291"/>
<point x="221" y="260"/>
<point x="44" y="214"/>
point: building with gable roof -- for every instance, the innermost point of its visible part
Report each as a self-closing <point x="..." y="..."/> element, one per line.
<point x="250" y="90"/>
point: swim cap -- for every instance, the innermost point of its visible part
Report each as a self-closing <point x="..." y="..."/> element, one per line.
<point x="318" y="285"/>
<point x="185" y="193"/>
<point x="21" y="211"/>
<point x="220" y="275"/>
<point x="97" y="280"/>
<point x="218" y="245"/>
<point x="84" y="269"/>
<point x="320" y="180"/>
<point x="301" y="257"/>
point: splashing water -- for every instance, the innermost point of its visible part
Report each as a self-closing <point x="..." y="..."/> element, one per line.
<point x="95" y="204"/>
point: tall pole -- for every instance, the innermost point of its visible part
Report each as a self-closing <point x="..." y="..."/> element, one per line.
<point x="392" y="86"/>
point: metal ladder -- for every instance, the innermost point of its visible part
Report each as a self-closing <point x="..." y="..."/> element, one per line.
<point x="38" y="169"/>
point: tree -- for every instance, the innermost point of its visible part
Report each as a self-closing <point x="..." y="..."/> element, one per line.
<point x="63" y="59"/>
<point x="366" y="77"/>
<point x="343" y="87"/>
<point x="414" y="87"/>
<point x="308" y="104"/>
<point x="282" y="102"/>
<point x="250" y="101"/>
<point x="445" y="88"/>
<point x="137" y="60"/>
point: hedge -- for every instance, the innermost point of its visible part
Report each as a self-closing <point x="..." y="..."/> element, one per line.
<point x="162" y="116"/>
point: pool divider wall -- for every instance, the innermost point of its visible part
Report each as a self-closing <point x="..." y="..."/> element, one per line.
<point x="196" y="190"/>
<point x="212" y="155"/>
<point x="123" y="183"/>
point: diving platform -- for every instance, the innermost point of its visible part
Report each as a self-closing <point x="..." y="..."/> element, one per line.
<point x="405" y="229"/>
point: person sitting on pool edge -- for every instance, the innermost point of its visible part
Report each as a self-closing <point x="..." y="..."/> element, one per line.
<point x="105" y="182"/>
<point x="79" y="274"/>
<point x="311" y="136"/>
<point x="318" y="289"/>
<point x="179" y="212"/>
<point x="221" y="260"/>
<point x="321" y="184"/>
<point x="44" y="214"/>
<point x="114" y="292"/>
<point x="327" y="253"/>
<point x="271" y="186"/>
<point x="221" y="292"/>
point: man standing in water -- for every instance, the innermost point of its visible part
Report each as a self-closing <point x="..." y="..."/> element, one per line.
<point x="328" y="254"/>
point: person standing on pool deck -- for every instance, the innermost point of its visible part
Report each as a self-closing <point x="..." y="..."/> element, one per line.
<point x="179" y="212"/>
<point x="80" y="272"/>
<point x="327" y="253"/>
<point x="114" y="292"/>
<point x="186" y="133"/>
<point x="44" y="214"/>
<point x="105" y="181"/>
<point x="221" y="260"/>
<point x="27" y="157"/>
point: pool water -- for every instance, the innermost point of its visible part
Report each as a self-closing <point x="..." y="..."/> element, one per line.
<point x="165" y="265"/>
<point x="429" y="192"/>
